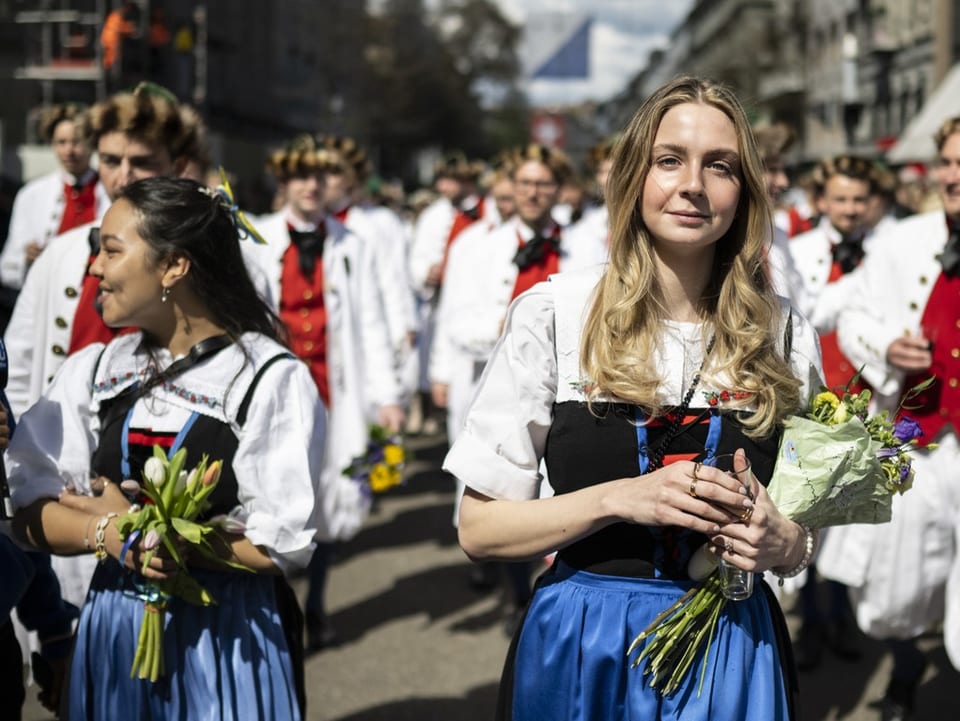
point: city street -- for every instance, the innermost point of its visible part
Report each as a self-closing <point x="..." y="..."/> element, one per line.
<point x="415" y="643"/>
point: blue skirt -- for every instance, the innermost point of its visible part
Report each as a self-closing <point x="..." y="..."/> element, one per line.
<point x="570" y="660"/>
<point x="223" y="662"/>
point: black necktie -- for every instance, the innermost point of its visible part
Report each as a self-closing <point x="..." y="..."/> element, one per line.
<point x="848" y="252"/>
<point x="94" y="240"/>
<point x="950" y="257"/>
<point x="533" y="250"/>
<point x="310" y="247"/>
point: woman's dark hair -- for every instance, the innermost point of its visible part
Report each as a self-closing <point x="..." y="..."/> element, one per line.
<point x="179" y="217"/>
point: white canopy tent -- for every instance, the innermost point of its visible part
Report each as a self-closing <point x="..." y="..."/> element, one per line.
<point x="915" y="144"/>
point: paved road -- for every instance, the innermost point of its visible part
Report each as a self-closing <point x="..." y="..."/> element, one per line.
<point x="416" y="644"/>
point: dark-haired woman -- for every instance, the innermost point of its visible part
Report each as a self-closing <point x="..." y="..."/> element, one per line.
<point x="206" y="372"/>
<point x="620" y="380"/>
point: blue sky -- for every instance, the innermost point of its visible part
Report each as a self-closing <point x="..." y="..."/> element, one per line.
<point x="623" y="34"/>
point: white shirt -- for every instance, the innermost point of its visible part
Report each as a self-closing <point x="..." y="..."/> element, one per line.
<point x="280" y="446"/>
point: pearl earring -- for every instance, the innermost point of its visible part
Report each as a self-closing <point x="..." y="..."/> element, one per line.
<point x="164" y="294"/>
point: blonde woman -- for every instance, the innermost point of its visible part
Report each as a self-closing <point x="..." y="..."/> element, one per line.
<point x="621" y="379"/>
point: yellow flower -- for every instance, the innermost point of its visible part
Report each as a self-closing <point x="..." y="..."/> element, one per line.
<point x="826" y="398"/>
<point x="392" y="454"/>
<point x="383" y="477"/>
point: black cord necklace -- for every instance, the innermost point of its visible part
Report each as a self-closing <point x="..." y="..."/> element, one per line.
<point x="198" y="352"/>
<point x="656" y="458"/>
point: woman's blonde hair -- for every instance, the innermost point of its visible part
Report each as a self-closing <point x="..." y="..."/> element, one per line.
<point x="624" y="324"/>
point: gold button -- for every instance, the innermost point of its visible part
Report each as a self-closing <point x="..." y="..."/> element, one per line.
<point x="308" y="346"/>
<point x="70" y="292"/>
<point x="58" y="350"/>
<point x="957" y="323"/>
<point x="304" y="312"/>
<point x="307" y="327"/>
<point x="953" y="382"/>
<point x="913" y="306"/>
<point x="955" y="352"/>
<point x="923" y="280"/>
<point x="60" y="322"/>
<point x="308" y="295"/>
<point x="944" y="412"/>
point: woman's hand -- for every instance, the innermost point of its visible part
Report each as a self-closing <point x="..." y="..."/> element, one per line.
<point x="760" y="539"/>
<point x="686" y="494"/>
<point x="107" y="498"/>
<point x="160" y="566"/>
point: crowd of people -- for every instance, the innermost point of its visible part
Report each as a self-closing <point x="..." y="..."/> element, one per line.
<point x="572" y="333"/>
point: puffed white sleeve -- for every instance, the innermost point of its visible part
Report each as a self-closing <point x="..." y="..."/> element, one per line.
<point x="277" y="464"/>
<point x="498" y="451"/>
<point x="55" y="439"/>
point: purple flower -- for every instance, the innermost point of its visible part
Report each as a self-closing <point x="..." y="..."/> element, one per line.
<point x="906" y="429"/>
<point x="904" y="471"/>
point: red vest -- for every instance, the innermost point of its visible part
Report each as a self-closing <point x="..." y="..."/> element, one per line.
<point x="80" y="205"/>
<point x="88" y="326"/>
<point x="940" y="403"/>
<point x="539" y="271"/>
<point x="303" y="313"/>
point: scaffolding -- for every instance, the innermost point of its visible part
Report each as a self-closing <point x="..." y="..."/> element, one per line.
<point x="65" y="47"/>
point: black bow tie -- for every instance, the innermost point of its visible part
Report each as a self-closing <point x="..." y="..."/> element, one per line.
<point x="848" y="252"/>
<point x="310" y="247"/>
<point x="533" y="250"/>
<point x="950" y="257"/>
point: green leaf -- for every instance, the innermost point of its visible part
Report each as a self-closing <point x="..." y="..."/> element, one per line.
<point x="192" y="532"/>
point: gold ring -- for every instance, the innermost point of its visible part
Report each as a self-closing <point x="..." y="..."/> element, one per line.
<point x="693" y="483"/>
<point x="746" y="515"/>
<point x="728" y="546"/>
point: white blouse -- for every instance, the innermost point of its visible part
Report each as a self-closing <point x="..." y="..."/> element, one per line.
<point x="280" y="446"/>
<point x="536" y="363"/>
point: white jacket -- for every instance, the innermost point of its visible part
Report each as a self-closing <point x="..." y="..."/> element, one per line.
<point x="35" y="218"/>
<point x="813" y="256"/>
<point x="887" y="296"/>
<point x="38" y="335"/>
<point x="360" y="373"/>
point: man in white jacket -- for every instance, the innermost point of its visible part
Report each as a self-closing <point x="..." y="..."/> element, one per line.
<point x="322" y="281"/>
<point x="901" y="324"/>
<point x="825" y="257"/>
<point x="485" y="271"/>
<point x="54" y="203"/>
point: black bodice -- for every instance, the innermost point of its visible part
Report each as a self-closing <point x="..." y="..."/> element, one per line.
<point x="585" y="448"/>
<point x="207" y="435"/>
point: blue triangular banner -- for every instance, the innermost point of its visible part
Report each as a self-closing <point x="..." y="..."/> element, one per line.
<point x="571" y="60"/>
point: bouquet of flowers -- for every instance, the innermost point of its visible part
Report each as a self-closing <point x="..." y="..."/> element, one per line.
<point x="172" y="499"/>
<point x="836" y="465"/>
<point x="380" y="467"/>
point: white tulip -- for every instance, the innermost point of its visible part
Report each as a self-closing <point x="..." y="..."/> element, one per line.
<point x="155" y="471"/>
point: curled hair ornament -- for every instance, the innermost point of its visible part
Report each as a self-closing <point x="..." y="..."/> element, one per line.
<point x="223" y="194"/>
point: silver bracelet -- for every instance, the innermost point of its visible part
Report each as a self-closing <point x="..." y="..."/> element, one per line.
<point x="804" y="561"/>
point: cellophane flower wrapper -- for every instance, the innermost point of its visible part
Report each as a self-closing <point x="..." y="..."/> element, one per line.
<point x="829" y="475"/>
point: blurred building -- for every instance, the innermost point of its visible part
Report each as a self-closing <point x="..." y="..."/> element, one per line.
<point x="258" y="71"/>
<point x="848" y="75"/>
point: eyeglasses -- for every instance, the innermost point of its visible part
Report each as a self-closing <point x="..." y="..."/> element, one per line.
<point x="538" y="185"/>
